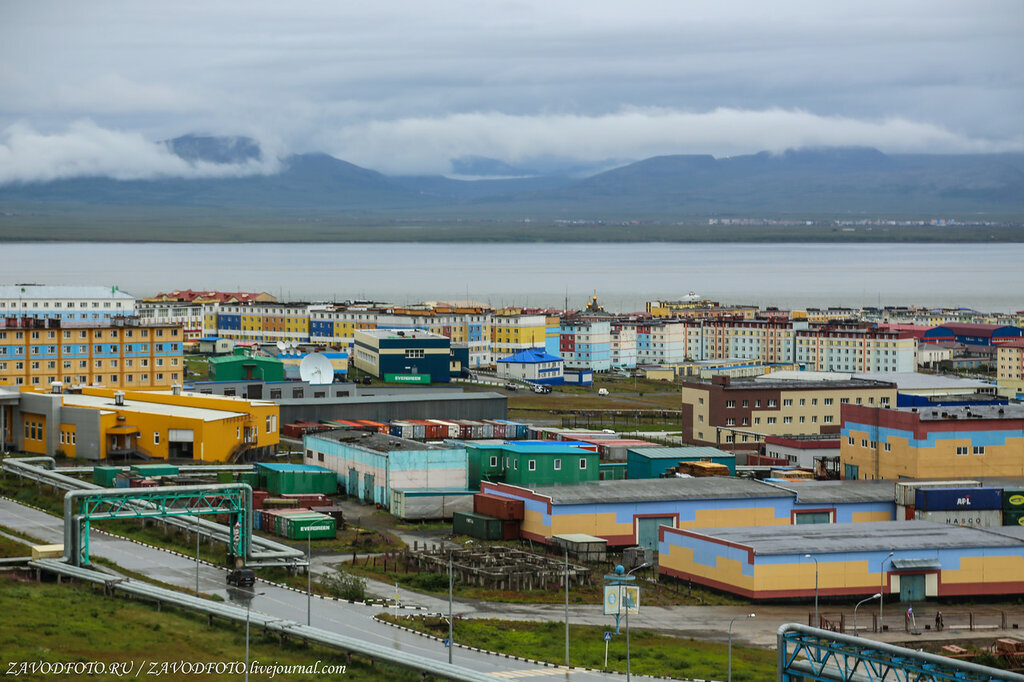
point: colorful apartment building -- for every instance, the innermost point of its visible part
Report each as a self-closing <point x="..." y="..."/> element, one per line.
<point x="100" y="424"/>
<point x="512" y="333"/>
<point x="191" y="317"/>
<point x="623" y="348"/>
<point x="121" y="354"/>
<point x="1010" y="368"/>
<point x="932" y="442"/>
<point x="586" y="344"/>
<point x="69" y="304"/>
<point x="739" y="413"/>
<point x="667" y="342"/>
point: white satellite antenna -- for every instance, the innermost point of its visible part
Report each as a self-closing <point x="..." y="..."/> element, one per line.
<point x="294" y="345"/>
<point x="282" y="346"/>
<point x="315" y="368"/>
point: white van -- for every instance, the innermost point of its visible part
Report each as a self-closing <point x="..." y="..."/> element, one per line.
<point x="602" y="391"/>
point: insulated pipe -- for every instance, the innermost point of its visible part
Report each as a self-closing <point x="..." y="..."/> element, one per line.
<point x="891" y="649"/>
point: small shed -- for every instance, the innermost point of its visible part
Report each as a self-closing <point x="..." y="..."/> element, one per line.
<point x="581" y="546"/>
<point x="430" y="503"/>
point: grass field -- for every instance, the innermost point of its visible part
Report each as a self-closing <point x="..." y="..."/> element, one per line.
<point x="66" y="624"/>
<point x="650" y="653"/>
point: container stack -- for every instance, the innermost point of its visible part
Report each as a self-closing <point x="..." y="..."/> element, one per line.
<point x="906" y="494"/>
<point x="508" y="511"/>
<point x="1013" y="506"/>
<point x="295" y="524"/>
<point x="977" y="507"/>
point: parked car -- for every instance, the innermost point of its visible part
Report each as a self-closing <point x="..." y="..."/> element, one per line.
<point x="242" y="577"/>
<point x="511" y="387"/>
<point x="540" y="388"/>
<point x="602" y="391"/>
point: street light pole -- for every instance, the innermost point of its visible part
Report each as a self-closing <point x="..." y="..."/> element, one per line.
<point x="197" y="557"/>
<point x="451" y="643"/>
<point x="749" y="615"/>
<point x="628" y="671"/>
<point x="874" y="596"/>
<point x="309" y="578"/>
<point x="881" y="587"/>
<point x="248" y="610"/>
<point x="817" y="621"/>
<point x="566" y="606"/>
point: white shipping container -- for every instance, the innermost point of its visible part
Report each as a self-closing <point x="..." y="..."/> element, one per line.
<point x="984" y="518"/>
<point x="906" y="491"/>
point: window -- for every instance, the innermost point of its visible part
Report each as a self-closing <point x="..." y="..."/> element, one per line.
<point x="864" y="443"/>
<point x="787" y="420"/>
<point x="700" y="418"/>
<point x="558" y="465"/>
<point x="772" y="403"/>
<point x="961" y="449"/>
<point x="268" y="423"/>
<point x="414" y="353"/>
<point x="532" y="465"/>
<point x="730" y="422"/>
<point x="827" y="419"/>
<point x="494" y="461"/>
<point x="746" y="403"/>
<point x="515" y="465"/>
<point x="978" y="450"/>
<point x="771" y="420"/>
<point x="788" y="402"/>
<point x="275" y="394"/>
<point x="888" y="447"/>
<point x="851" y="440"/>
<point x="156" y="438"/>
<point x="757" y="420"/>
<point x="297" y="393"/>
<point x="874" y="445"/>
<point x="829" y="401"/>
<point x="583" y="463"/>
<point x="802" y="419"/>
<point x="730" y="403"/>
<point x="844" y="401"/>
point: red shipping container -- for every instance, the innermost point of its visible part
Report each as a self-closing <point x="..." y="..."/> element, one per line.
<point x="509" y="530"/>
<point x="503" y="508"/>
<point x="257" y="498"/>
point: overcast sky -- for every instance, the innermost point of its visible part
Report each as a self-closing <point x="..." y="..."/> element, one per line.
<point x="407" y="85"/>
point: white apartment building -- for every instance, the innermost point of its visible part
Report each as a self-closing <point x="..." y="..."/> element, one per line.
<point x="70" y="304"/>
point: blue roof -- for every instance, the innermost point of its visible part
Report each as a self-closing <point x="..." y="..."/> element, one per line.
<point x="533" y="355"/>
<point x="341" y="356"/>
<point x="291" y="467"/>
<point x="210" y="338"/>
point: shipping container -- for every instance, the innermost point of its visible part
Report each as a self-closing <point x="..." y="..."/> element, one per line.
<point x="250" y="477"/>
<point x="258" y="496"/>
<point x="335" y="512"/>
<point x="430" y="503"/>
<point x="1013" y="499"/>
<point x="448" y="428"/>
<point x="147" y="470"/>
<point x="509" y="530"/>
<point x="503" y="508"/>
<point x="477" y="525"/>
<point x="906" y="491"/>
<point x="982" y="518"/>
<point x="313" y="526"/>
<point x="497" y="428"/>
<point x="280" y="503"/>
<point x="297" y="478"/>
<point x="958" y="499"/>
<point x="105" y="476"/>
<point x="753" y="460"/>
<point x="1013" y="518"/>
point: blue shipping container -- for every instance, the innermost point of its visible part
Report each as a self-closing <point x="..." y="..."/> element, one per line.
<point x="958" y="499"/>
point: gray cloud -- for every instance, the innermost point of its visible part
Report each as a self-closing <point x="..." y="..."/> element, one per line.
<point x="508" y="78"/>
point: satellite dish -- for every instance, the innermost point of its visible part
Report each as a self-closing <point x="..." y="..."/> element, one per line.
<point x="315" y="368"/>
<point x="282" y="346"/>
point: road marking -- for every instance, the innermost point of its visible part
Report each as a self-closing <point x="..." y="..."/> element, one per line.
<point x="535" y="672"/>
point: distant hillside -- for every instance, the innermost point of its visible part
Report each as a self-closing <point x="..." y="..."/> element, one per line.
<point x="669" y="189"/>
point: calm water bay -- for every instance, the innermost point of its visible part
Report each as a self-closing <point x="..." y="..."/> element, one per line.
<point x="623" y="276"/>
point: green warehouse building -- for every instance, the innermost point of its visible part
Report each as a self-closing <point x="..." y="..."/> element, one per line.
<point x="542" y="464"/>
<point x="243" y="365"/>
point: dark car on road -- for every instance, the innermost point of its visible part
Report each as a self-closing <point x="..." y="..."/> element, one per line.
<point x="242" y="577"/>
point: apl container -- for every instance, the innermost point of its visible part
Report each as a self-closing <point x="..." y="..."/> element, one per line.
<point x="981" y="518"/>
<point x="958" y="499"/>
<point x="906" y="491"/>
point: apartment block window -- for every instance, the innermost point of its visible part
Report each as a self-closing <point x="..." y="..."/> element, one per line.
<point x="787" y="420"/>
<point x="883" y="401"/>
<point x="757" y="420"/>
<point x="730" y="403"/>
<point x="851" y="440"/>
<point x="829" y="401"/>
<point x="978" y="450"/>
<point x="888" y="447"/>
<point x="802" y="418"/>
<point x="746" y="403"/>
<point x="788" y="402"/>
<point x="844" y="401"/>
<point x="803" y="402"/>
<point x="757" y="403"/>
<point x="874" y="445"/>
<point x="771" y="420"/>
<point x="414" y="353"/>
<point x="864" y="442"/>
<point x="730" y="422"/>
<point x="961" y="449"/>
<point x="772" y="403"/>
<point x="827" y="419"/>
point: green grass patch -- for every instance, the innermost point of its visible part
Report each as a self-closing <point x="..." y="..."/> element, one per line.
<point x="13" y="548"/>
<point x="71" y="623"/>
<point x="650" y="653"/>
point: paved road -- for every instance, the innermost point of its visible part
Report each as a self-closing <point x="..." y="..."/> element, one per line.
<point x="348" y="619"/>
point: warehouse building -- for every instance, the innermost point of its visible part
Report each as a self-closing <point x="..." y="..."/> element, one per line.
<point x="914" y="559"/>
<point x="627" y="513"/>
<point x="408" y="356"/>
<point x="972" y="334"/>
<point x="302" y="401"/>
<point x="98" y="424"/>
<point x="653" y="462"/>
<point x="371" y="466"/>
<point x="527" y="465"/>
<point x="939" y="442"/>
<point x="245" y="365"/>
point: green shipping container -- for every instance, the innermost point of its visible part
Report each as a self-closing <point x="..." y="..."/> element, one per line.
<point x="250" y="477"/>
<point x="104" y="476"/>
<point x="1013" y="499"/>
<point x="1013" y="518"/>
<point x="290" y="482"/>
<point x="475" y="525"/>
<point x="315" y="527"/>
<point x="149" y="470"/>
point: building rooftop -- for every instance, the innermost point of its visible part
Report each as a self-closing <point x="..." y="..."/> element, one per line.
<point x="400" y="334"/>
<point x="908" y="381"/>
<point x="532" y="355"/>
<point x="826" y="492"/>
<point x="659" y="489"/>
<point x="877" y="536"/>
<point x="58" y="291"/>
<point x="967" y="412"/>
<point x="377" y="442"/>
<point x="679" y="453"/>
<point x="132" y="404"/>
<point x="792" y="381"/>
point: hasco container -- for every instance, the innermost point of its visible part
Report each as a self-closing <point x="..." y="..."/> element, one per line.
<point x="1013" y="499"/>
<point x="1013" y="518"/>
<point x="958" y="499"/>
<point x="105" y="476"/>
<point x="477" y="525"/>
<point x="981" y="518"/>
<point x="499" y="507"/>
<point x="906" y="491"/>
<point x="147" y="470"/>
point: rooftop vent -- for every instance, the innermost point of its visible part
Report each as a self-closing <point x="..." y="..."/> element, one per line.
<point x="119" y="397"/>
<point x="56" y="387"/>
